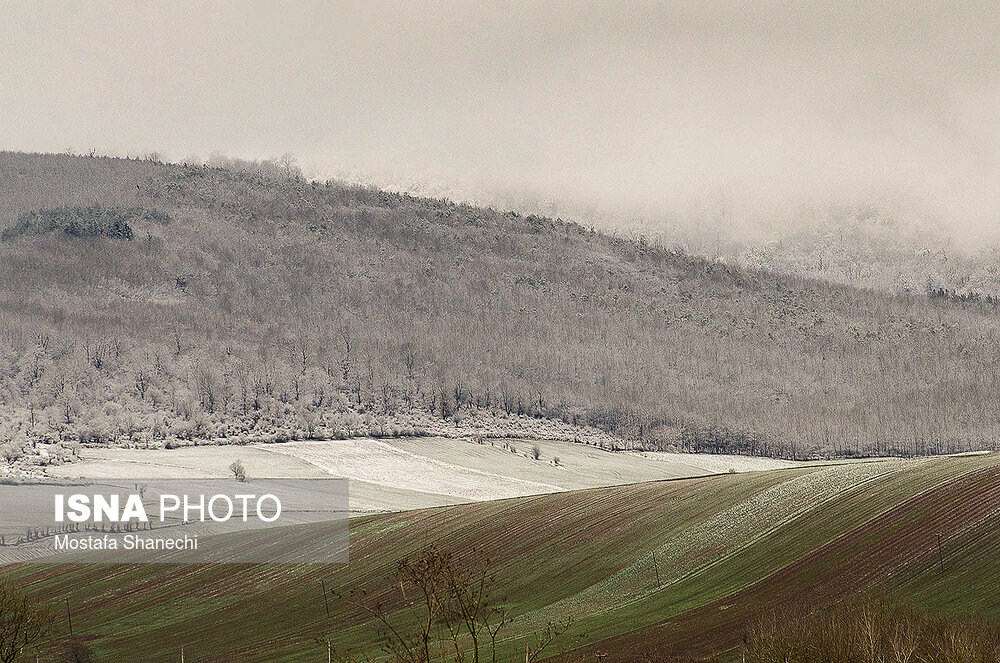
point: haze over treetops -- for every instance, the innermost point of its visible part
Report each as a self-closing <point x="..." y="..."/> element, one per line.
<point x="152" y="302"/>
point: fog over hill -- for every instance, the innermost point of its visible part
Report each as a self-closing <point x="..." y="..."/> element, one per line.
<point x="886" y="242"/>
<point x="150" y="302"/>
<point x="686" y="113"/>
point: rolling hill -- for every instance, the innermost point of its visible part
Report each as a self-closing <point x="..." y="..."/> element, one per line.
<point x="147" y="304"/>
<point x="728" y="549"/>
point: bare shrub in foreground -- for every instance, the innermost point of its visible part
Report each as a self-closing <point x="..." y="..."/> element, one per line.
<point x="871" y="631"/>
<point x="449" y="612"/>
<point x="23" y="624"/>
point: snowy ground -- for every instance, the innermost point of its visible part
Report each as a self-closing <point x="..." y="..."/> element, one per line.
<point x="409" y="473"/>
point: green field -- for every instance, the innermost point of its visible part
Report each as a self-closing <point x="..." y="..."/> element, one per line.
<point x="729" y="548"/>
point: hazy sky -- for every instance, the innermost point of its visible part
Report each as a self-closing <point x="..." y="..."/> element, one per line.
<point x="645" y="105"/>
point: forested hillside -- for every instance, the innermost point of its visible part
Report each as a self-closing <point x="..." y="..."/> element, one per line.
<point x="143" y="301"/>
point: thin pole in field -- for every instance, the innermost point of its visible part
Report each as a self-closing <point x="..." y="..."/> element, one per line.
<point x="326" y="601"/>
<point x="656" y="569"/>
<point x="69" y="616"/>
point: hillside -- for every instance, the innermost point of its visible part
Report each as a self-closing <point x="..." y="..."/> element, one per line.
<point x="149" y="303"/>
<point x="728" y="549"/>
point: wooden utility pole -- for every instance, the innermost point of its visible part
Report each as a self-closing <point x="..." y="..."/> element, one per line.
<point x="326" y="601"/>
<point x="656" y="570"/>
<point x="329" y="652"/>
<point x="69" y="617"/>
<point x="182" y="654"/>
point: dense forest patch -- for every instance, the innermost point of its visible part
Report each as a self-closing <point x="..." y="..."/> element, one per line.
<point x="91" y="221"/>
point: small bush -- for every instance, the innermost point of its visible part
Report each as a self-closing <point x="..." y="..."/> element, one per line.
<point x="239" y="472"/>
<point x="77" y="652"/>
<point x="90" y="436"/>
<point x="536" y="452"/>
<point x="11" y="452"/>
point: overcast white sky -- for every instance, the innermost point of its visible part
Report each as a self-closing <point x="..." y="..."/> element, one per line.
<point x="636" y="105"/>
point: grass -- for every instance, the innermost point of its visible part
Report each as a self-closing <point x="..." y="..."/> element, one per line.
<point x="849" y="544"/>
<point x="845" y="534"/>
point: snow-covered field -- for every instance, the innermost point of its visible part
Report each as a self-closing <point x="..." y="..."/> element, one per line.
<point x="579" y="465"/>
<point x="385" y="464"/>
<point x="409" y="473"/>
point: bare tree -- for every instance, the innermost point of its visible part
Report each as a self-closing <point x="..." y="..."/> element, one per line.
<point x="545" y="637"/>
<point x="77" y="652"/>
<point x="409" y="352"/>
<point x="23" y="624"/>
<point x="239" y="472"/>
<point x="141" y="383"/>
<point x="288" y="165"/>
<point x="451" y="611"/>
<point x="11" y="452"/>
<point x="347" y="359"/>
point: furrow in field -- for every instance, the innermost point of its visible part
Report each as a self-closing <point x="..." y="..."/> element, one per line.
<point x="856" y="561"/>
<point x="719" y="536"/>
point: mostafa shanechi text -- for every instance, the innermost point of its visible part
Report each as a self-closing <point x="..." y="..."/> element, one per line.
<point x="176" y="521"/>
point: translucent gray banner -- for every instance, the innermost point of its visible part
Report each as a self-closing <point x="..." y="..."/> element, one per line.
<point x="187" y="521"/>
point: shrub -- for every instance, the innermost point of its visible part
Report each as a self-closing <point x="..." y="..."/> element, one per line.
<point x="77" y="652"/>
<point x="25" y="622"/>
<point x="90" y="436"/>
<point x="870" y="631"/>
<point x="239" y="472"/>
<point x="11" y="452"/>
